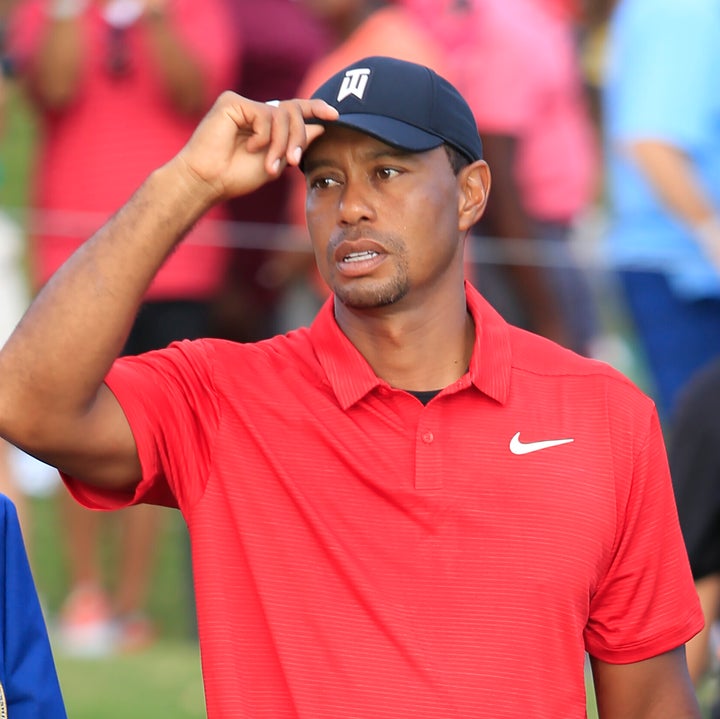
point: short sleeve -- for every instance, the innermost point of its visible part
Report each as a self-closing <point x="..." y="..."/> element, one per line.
<point x="646" y="603"/>
<point x="168" y="399"/>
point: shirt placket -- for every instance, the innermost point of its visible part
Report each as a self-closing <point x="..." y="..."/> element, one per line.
<point x="428" y="455"/>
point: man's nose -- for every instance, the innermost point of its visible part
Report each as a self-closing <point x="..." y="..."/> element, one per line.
<point x="356" y="203"/>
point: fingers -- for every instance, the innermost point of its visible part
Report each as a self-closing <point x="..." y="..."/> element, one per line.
<point x="242" y="144"/>
<point x="285" y="132"/>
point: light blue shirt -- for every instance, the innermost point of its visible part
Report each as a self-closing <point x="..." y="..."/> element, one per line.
<point x="662" y="83"/>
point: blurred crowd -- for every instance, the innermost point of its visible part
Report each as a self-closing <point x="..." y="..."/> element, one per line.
<point x="600" y="121"/>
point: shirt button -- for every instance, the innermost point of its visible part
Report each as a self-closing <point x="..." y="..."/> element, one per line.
<point x="428" y="437"/>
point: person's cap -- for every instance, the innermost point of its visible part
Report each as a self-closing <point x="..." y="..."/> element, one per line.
<point x="403" y="104"/>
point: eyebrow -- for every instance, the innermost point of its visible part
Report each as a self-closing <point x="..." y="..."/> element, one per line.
<point x="373" y="155"/>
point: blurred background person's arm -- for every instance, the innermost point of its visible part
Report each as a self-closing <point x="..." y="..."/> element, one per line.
<point x="54" y="74"/>
<point x="182" y="74"/>
<point x="670" y="171"/>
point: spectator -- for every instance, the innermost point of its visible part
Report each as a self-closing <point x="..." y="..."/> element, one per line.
<point x="517" y="63"/>
<point x="118" y="86"/>
<point x="662" y="121"/>
<point x="694" y="452"/>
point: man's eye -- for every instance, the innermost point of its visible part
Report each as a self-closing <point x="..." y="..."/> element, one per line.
<point x="385" y="173"/>
<point x="322" y="183"/>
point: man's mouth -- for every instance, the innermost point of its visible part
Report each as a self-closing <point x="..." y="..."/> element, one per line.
<point x="360" y="256"/>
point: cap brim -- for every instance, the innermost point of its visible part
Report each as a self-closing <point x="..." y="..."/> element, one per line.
<point x="387" y="129"/>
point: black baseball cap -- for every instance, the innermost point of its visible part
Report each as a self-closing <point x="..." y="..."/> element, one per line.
<point x="403" y="104"/>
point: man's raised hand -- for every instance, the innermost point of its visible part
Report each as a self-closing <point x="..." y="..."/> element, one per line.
<point x="241" y="144"/>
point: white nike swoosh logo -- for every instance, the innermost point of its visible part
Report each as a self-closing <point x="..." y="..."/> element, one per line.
<point x="518" y="447"/>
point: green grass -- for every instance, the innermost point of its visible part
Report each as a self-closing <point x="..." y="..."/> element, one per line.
<point x="170" y="602"/>
<point x="163" y="681"/>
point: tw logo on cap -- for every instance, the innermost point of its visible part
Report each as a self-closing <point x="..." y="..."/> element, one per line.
<point x="354" y="83"/>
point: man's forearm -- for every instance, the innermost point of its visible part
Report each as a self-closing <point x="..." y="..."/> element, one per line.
<point x="52" y="399"/>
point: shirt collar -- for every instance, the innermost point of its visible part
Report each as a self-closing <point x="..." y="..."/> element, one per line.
<point x="351" y="377"/>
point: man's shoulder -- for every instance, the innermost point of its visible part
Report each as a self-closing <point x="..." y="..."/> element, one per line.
<point x="213" y="357"/>
<point x="295" y="342"/>
<point x="538" y="355"/>
<point x="288" y="352"/>
<point x="543" y="371"/>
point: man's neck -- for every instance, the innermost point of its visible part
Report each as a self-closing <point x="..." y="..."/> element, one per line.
<point x="426" y="349"/>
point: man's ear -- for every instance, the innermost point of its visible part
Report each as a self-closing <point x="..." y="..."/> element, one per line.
<point x="474" y="185"/>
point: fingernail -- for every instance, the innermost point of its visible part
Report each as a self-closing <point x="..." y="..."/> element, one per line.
<point x="297" y="154"/>
<point x="276" y="165"/>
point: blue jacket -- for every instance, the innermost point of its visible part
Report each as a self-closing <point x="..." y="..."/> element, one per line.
<point x="30" y="687"/>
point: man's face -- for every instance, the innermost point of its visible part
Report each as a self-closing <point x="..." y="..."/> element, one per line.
<point x="382" y="221"/>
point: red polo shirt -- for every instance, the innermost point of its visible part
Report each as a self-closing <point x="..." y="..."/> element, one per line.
<point x="358" y="554"/>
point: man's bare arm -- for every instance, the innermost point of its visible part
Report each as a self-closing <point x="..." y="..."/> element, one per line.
<point x="53" y="402"/>
<point x="657" y="688"/>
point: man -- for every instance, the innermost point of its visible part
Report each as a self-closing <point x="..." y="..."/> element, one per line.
<point x="694" y="453"/>
<point x="516" y="63"/>
<point x="408" y="509"/>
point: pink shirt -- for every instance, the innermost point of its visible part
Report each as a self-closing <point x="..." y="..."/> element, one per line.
<point x="95" y="153"/>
